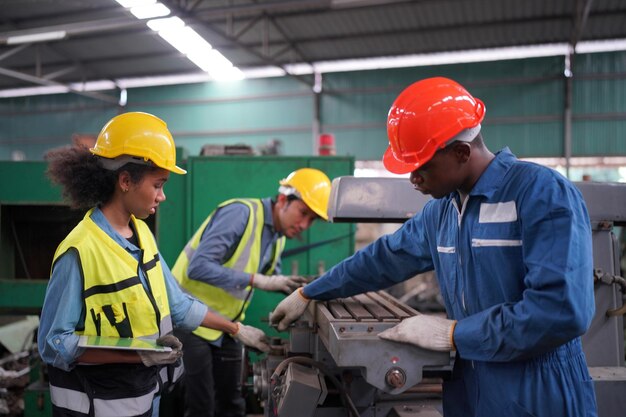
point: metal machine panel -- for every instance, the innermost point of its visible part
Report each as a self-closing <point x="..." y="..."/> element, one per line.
<point x="303" y="390"/>
<point x="380" y="200"/>
<point x="605" y="201"/>
<point x="349" y="329"/>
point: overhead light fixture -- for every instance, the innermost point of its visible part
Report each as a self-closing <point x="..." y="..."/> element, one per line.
<point x="167" y="23"/>
<point x="188" y="42"/>
<point x="322" y="67"/>
<point x="182" y="37"/>
<point x="134" y="3"/>
<point x="150" y="11"/>
<point x="36" y="37"/>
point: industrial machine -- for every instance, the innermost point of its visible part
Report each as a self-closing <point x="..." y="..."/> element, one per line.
<point x="333" y="363"/>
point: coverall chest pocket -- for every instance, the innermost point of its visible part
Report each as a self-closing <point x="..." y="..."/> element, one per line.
<point x="448" y="262"/>
<point x="497" y="256"/>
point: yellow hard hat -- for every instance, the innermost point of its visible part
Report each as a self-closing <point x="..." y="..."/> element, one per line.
<point x="140" y="135"/>
<point x="312" y="186"/>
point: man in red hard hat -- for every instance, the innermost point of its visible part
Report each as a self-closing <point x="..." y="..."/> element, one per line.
<point x="510" y="242"/>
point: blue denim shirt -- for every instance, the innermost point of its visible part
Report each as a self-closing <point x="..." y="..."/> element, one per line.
<point x="63" y="311"/>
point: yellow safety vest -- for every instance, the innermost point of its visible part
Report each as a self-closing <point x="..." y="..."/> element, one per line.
<point x="229" y="303"/>
<point x="116" y="302"/>
<point x="117" y="305"/>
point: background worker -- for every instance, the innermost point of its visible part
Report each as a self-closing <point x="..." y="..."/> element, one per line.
<point x="238" y="248"/>
<point x="109" y="279"/>
<point x="510" y="242"/>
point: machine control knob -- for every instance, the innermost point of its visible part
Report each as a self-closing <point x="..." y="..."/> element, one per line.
<point x="395" y="377"/>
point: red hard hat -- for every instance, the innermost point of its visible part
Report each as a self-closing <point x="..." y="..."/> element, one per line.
<point x="424" y="117"/>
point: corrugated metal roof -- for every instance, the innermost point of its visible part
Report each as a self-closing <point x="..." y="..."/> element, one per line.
<point x="105" y="42"/>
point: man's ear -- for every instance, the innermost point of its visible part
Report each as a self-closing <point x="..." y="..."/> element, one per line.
<point x="281" y="200"/>
<point x="462" y="151"/>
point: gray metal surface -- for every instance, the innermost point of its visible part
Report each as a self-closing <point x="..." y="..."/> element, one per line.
<point x="303" y="390"/>
<point x="380" y="200"/>
<point x="605" y="201"/>
<point x="610" y="385"/>
<point x="349" y="329"/>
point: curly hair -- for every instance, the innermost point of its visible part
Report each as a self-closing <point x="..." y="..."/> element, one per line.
<point x="84" y="181"/>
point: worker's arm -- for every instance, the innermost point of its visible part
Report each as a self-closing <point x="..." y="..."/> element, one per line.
<point x="187" y="312"/>
<point x="60" y="314"/>
<point x="217" y="245"/>
<point x="387" y="261"/>
<point x="557" y="303"/>
<point x="248" y="335"/>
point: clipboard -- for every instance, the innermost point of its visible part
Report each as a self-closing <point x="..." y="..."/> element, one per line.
<point x="125" y="343"/>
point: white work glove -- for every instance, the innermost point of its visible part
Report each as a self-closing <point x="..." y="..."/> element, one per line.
<point x="282" y="283"/>
<point x="289" y="310"/>
<point x="428" y="332"/>
<point x="251" y="336"/>
<point x="150" y="358"/>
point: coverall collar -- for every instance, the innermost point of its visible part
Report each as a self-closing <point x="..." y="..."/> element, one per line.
<point x="493" y="177"/>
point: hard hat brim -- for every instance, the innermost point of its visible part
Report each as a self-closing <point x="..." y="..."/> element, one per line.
<point x="394" y="165"/>
<point x="177" y="170"/>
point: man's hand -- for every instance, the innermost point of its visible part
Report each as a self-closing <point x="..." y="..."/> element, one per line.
<point x="282" y="283"/>
<point x="251" y="336"/>
<point x="289" y="310"/>
<point x="428" y="332"/>
<point x="149" y="358"/>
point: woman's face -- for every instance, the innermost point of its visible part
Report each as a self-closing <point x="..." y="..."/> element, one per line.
<point x="143" y="198"/>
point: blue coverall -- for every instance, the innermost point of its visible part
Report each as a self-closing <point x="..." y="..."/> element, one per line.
<point x="514" y="264"/>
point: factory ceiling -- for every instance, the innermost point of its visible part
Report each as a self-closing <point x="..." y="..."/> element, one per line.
<point x="101" y="40"/>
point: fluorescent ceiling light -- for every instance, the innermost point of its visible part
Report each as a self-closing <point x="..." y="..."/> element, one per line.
<point x="263" y="72"/>
<point x="133" y="3"/>
<point x="186" y="40"/>
<point x="36" y="37"/>
<point x="226" y="74"/>
<point x="167" y="23"/>
<point x="34" y="91"/>
<point x="149" y="11"/>
<point x="98" y="85"/>
<point x="390" y="62"/>
<point x="198" y="77"/>
<point x="601" y="46"/>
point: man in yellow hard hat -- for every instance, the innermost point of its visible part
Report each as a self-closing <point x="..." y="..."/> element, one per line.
<point x="236" y="249"/>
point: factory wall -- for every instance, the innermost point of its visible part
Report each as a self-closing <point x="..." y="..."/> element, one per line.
<point x="524" y="98"/>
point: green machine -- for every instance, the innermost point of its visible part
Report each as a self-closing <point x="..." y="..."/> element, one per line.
<point x="34" y="219"/>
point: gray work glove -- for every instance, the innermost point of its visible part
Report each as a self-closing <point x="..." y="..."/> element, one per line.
<point x="282" y="283"/>
<point x="150" y="358"/>
<point x="289" y="310"/>
<point x="251" y="336"/>
<point x="428" y="332"/>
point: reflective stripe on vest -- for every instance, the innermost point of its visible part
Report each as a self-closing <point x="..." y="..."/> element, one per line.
<point x="246" y="258"/>
<point x="79" y="402"/>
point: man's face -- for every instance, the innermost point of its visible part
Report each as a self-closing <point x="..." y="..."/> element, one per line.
<point x="292" y="217"/>
<point x="442" y="174"/>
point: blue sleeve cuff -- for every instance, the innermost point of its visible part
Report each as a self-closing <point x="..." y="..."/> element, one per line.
<point x="194" y="316"/>
<point x="67" y="350"/>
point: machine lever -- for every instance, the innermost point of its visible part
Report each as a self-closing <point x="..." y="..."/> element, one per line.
<point x="608" y="279"/>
